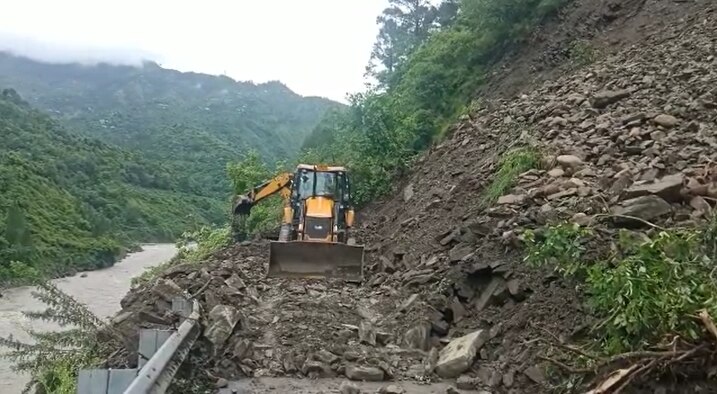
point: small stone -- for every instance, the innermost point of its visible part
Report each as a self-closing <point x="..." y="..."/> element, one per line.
<point x="349" y="388"/>
<point x="367" y="334"/>
<point x="512" y="199"/>
<point x="392" y="389"/>
<point x="658" y="135"/>
<point x="701" y="205"/>
<point x="569" y="161"/>
<point x="558" y="121"/>
<point x="465" y="382"/>
<point x="607" y="97"/>
<point x="457" y="309"/>
<point x="460" y="252"/>
<point x="459" y="354"/>
<point x="667" y="121"/>
<point x="408" y="303"/>
<point x="418" y="336"/>
<point x="326" y="357"/>
<point x="317" y="369"/>
<point x="508" y="379"/>
<point x="236" y="282"/>
<point x="452" y="390"/>
<point x="83" y="275"/>
<point x="535" y="374"/>
<point x="242" y="349"/>
<point x="581" y="219"/>
<point x="514" y="289"/>
<point x="408" y="192"/>
<point x="556" y="172"/>
<point x="367" y="374"/>
<point x="221" y="383"/>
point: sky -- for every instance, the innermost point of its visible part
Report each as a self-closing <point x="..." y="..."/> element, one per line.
<point x="316" y="47"/>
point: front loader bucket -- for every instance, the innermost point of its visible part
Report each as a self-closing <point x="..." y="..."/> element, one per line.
<point x="299" y="259"/>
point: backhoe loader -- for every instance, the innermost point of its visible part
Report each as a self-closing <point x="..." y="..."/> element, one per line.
<point x="315" y="236"/>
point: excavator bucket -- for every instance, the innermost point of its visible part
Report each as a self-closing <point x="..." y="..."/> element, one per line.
<point x="318" y="260"/>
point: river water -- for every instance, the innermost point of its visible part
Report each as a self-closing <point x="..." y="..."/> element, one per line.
<point x="101" y="291"/>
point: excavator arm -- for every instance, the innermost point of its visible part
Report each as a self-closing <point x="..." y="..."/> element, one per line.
<point x="279" y="184"/>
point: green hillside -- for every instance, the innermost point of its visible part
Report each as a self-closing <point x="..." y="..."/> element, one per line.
<point x="70" y="202"/>
<point x="191" y="123"/>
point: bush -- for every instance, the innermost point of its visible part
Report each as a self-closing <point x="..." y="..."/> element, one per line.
<point x="649" y="287"/>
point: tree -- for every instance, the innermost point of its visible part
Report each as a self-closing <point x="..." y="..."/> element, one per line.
<point x="17" y="234"/>
<point x="404" y="26"/>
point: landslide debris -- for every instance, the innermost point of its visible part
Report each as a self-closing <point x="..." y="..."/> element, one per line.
<point x="628" y="140"/>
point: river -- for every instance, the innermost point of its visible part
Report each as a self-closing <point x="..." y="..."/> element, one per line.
<point x="101" y="291"/>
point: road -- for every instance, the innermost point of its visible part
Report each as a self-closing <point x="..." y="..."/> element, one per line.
<point x="101" y="291"/>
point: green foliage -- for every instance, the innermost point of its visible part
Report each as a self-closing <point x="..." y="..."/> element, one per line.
<point x="582" y="53"/>
<point x="190" y="124"/>
<point x="647" y="289"/>
<point x="54" y="358"/>
<point x="198" y="245"/>
<point x="246" y="174"/>
<point x="16" y="272"/>
<point x="72" y="203"/>
<point x="512" y="164"/>
<point x="424" y="90"/>
<point x="560" y="246"/>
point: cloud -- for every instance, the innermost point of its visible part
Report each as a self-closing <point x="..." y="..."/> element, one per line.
<point x="62" y="53"/>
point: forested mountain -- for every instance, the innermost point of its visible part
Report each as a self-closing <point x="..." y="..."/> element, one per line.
<point x="191" y="123"/>
<point x="69" y="202"/>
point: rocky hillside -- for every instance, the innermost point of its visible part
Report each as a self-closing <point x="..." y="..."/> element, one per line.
<point x="189" y="122"/>
<point x="625" y="140"/>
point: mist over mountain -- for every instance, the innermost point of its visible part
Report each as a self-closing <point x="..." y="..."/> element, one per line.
<point x="67" y="53"/>
<point x="191" y="123"/>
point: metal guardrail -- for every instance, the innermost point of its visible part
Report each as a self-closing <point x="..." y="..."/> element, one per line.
<point x="157" y="372"/>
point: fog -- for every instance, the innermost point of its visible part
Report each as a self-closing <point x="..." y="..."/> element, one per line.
<point x="50" y="52"/>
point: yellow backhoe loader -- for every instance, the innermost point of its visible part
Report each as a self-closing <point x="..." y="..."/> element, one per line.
<point x="315" y="237"/>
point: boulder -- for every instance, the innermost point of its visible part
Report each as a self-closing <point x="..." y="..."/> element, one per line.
<point x="367" y="374"/>
<point x="645" y="207"/>
<point x="166" y="289"/>
<point x="222" y="320"/>
<point x="668" y="188"/>
<point x="459" y="354"/>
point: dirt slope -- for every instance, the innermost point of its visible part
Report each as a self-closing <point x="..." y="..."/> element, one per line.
<point x="633" y="133"/>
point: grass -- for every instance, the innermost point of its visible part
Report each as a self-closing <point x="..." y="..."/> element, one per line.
<point x="513" y="163"/>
